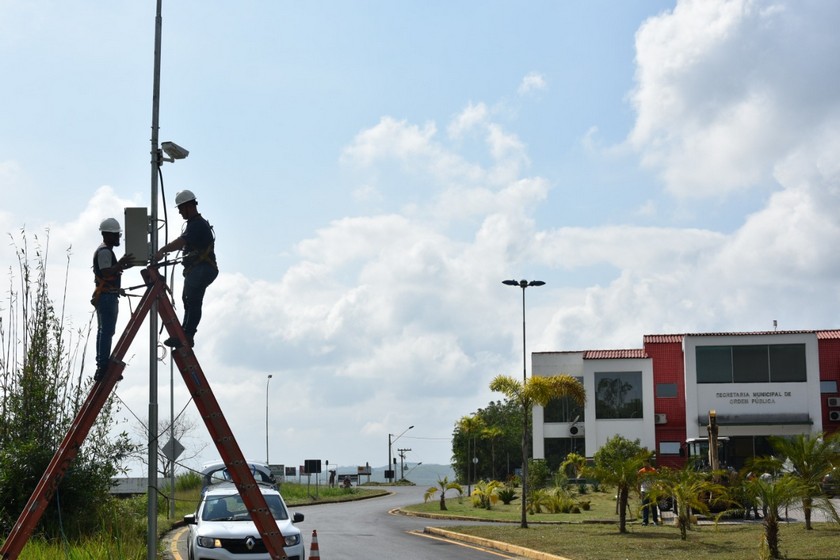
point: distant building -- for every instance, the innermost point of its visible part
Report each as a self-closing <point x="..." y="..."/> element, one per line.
<point x="760" y="384"/>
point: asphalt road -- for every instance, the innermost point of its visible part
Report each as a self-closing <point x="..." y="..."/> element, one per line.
<point x="366" y="529"/>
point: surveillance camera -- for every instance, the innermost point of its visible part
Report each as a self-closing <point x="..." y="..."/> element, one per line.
<point x="174" y="151"/>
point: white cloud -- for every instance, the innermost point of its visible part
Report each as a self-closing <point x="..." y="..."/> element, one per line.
<point x="532" y="82"/>
<point x="725" y="89"/>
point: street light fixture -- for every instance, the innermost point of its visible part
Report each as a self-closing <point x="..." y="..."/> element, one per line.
<point x="390" y="442"/>
<point x="524" y="284"/>
<point x="267" y="381"/>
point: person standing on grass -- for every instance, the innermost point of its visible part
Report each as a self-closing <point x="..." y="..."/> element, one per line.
<point x="649" y="508"/>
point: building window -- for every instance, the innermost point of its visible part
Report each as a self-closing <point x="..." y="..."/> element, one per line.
<point x="666" y="390"/>
<point x="556" y="450"/>
<point x="618" y="394"/>
<point x="750" y="364"/>
<point x="754" y="363"/>
<point x="669" y="447"/>
<point x="564" y="410"/>
<point x="714" y="364"/>
<point x="787" y="363"/>
<point x="828" y="386"/>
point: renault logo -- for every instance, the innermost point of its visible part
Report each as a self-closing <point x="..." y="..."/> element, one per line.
<point x="250" y="543"/>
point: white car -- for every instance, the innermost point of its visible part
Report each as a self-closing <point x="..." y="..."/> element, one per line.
<point x="221" y="528"/>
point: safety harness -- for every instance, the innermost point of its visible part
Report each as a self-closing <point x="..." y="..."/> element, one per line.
<point x="194" y="258"/>
<point x="104" y="284"/>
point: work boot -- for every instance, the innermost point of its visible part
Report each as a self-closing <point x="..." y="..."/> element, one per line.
<point x="99" y="374"/>
<point x="173" y="342"/>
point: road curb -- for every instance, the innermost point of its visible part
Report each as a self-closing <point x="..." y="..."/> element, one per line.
<point x="495" y="545"/>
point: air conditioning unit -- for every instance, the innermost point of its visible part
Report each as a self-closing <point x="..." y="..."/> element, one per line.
<point x="834" y="415"/>
<point x="660" y="418"/>
<point x="834" y="402"/>
<point x="576" y="430"/>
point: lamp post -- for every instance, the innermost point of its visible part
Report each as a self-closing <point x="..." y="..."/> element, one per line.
<point x="524" y="284"/>
<point x="267" y="381"/>
<point x="390" y="442"/>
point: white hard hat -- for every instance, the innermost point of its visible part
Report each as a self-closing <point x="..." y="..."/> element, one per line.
<point x="110" y="225"/>
<point x="184" y="196"/>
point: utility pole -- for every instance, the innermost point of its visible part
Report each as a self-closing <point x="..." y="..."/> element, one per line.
<point x="402" y="453"/>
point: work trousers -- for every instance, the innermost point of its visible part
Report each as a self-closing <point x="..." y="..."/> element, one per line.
<point x="107" y="308"/>
<point x="196" y="280"/>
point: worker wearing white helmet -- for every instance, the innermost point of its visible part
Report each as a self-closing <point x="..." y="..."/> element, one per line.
<point x="197" y="244"/>
<point x="107" y="271"/>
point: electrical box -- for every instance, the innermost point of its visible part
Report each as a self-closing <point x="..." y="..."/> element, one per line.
<point x="137" y="235"/>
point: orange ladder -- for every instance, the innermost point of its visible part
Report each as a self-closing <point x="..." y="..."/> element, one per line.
<point x="204" y="399"/>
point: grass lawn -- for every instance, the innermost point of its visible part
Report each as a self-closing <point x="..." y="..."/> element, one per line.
<point x="593" y="534"/>
<point x="604" y="542"/>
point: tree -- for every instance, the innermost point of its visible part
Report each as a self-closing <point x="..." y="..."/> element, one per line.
<point x="493" y="460"/>
<point x="444" y="485"/>
<point x="618" y="463"/>
<point x="42" y="386"/>
<point x="537" y="390"/>
<point x="472" y="426"/>
<point x="810" y="458"/>
<point x="775" y="496"/>
<point x="492" y="433"/>
<point x="575" y="462"/>
<point x="689" y="488"/>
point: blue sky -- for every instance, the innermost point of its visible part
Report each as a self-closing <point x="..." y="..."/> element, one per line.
<point x="373" y="170"/>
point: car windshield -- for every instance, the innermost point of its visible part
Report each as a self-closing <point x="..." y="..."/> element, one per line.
<point x="231" y="508"/>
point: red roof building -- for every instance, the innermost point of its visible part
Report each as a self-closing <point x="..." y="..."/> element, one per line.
<point x="760" y="384"/>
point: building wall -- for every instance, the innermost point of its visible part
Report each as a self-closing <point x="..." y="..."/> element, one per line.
<point x="668" y="367"/>
<point x="547" y="364"/>
<point x="829" y="349"/>
<point x="753" y="409"/>
<point x="595" y="431"/>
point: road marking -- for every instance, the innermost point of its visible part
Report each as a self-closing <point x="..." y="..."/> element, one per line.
<point x="173" y="544"/>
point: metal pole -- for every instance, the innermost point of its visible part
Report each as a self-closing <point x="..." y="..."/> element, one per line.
<point x="266" y="417"/>
<point x="524" y="353"/>
<point x="172" y="438"/>
<point x="151" y="534"/>
<point x="389" y="456"/>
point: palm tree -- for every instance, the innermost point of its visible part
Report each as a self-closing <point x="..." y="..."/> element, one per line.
<point x="471" y="427"/>
<point x="444" y="485"/>
<point x="775" y="496"/>
<point x="810" y="459"/>
<point x="688" y="487"/>
<point x="492" y="433"/>
<point x="618" y="463"/>
<point x="576" y="462"/>
<point x="536" y="390"/>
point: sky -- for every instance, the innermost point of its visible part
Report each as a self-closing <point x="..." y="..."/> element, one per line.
<point x="373" y="170"/>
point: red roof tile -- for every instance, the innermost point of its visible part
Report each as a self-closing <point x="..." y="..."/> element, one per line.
<point x="614" y="354"/>
<point x="828" y="334"/>
<point x="662" y="338"/>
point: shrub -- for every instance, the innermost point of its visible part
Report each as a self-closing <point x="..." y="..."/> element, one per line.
<point x="506" y="494"/>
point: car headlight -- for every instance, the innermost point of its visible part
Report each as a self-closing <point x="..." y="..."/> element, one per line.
<point x="292" y="540"/>
<point x="208" y="542"/>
